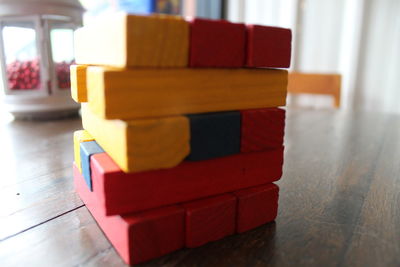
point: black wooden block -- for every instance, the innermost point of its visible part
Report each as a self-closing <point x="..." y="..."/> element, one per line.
<point x="214" y="135"/>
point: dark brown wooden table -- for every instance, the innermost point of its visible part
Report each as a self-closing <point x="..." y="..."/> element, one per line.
<point x="339" y="204"/>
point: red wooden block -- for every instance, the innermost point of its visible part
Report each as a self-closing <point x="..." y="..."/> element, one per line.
<point x="217" y="43"/>
<point x="256" y="206"/>
<point x="268" y="47"/>
<point x="137" y="237"/>
<point x="209" y="219"/>
<point x="262" y="129"/>
<point x="121" y="192"/>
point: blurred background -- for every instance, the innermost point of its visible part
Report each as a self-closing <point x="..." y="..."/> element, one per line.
<point x="358" y="39"/>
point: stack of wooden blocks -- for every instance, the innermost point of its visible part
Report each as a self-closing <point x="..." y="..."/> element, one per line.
<point x="183" y="137"/>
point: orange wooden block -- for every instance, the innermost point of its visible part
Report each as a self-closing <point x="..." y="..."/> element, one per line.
<point x="78" y="83"/>
<point x="141" y="93"/>
<point x="122" y="40"/>
<point x="143" y="144"/>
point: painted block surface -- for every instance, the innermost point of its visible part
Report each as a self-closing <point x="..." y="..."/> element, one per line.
<point x="135" y="93"/>
<point x="262" y="129"/>
<point x="136" y="6"/>
<point x="217" y="43"/>
<point x="137" y="237"/>
<point x="122" y="40"/>
<point x="214" y="135"/>
<point x="79" y="137"/>
<point x="268" y="47"/>
<point x="256" y="206"/>
<point x="78" y="83"/>
<point x="209" y="219"/>
<point x="121" y="192"/>
<point x="88" y="149"/>
<point x="143" y="144"/>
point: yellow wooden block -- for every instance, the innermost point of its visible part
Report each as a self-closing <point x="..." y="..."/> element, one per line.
<point x="140" y="145"/>
<point x="122" y="40"/>
<point x="78" y="83"/>
<point x="79" y="137"/>
<point x="144" y="93"/>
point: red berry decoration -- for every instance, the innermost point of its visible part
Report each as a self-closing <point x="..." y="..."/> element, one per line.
<point x="26" y="75"/>
<point x="62" y="72"/>
<point x="20" y="75"/>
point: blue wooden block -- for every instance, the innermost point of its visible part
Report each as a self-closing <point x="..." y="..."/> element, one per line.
<point x="137" y="6"/>
<point x="214" y="135"/>
<point x="88" y="149"/>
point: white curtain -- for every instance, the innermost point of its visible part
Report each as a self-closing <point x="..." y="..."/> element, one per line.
<point x="358" y="38"/>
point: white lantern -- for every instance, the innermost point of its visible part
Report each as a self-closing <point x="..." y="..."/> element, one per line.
<point x="36" y="49"/>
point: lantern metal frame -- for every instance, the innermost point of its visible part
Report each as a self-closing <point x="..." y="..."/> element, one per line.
<point x="49" y="26"/>
<point x="43" y="16"/>
<point x="43" y="24"/>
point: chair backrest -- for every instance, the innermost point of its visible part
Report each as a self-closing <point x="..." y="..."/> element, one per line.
<point x="314" y="83"/>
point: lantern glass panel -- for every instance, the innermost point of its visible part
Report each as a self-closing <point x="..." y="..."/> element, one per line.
<point x="63" y="54"/>
<point x="21" y="56"/>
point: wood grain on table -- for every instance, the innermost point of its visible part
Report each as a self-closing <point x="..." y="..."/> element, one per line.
<point x="339" y="199"/>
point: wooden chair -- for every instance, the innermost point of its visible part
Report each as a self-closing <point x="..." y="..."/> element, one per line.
<point x="313" y="83"/>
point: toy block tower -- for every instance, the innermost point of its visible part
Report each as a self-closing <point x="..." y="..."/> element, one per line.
<point x="183" y="134"/>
